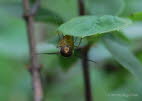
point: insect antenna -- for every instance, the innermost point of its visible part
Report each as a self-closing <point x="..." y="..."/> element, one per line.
<point x="91" y="60"/>
<point x="59" y="37"/>
<point x="75" y="39"/>
<point x="79" y="43"/>
<point x="87" y="59"/>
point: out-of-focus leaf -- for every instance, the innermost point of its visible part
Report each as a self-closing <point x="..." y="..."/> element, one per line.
<point x="13" y="39"/>
<point x="92" y="25"/>
<point x="32" y="1"/>
<point x="122" y="36"/>
<point x="131" y="6"/>
<point x="99" y="53"/>
<point x="45" y="15"/>
<point x="64" y="8"/>
<point x="104" y="7"/>
<point x="136" y="16"/>
<point x="72" y="86"/>
<point x="123" y="55"/>
<point x="14" y="8"/>
<point x="11" y="1"/>
<point x="133" y="31"/>
<point x="14" y="80"/>
<point x="67" y="62"/>
<point x="46" y="48"/>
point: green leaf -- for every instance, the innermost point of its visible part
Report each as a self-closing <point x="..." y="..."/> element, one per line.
<point x="103" y="7"/>
<point x="92" y="25"/>
<point x="123" y="55"/>
<point x="45" y="15"/>
<point x="136" y="16"/>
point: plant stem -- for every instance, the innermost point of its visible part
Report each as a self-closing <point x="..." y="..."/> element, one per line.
<point x="81" y="7"/>
<point x="35" y="7"/>
<point x="35" y="67"/>
<point x="86" y="73"/>
<point x="85" y="64"/>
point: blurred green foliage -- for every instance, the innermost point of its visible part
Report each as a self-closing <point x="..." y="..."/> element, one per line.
<point x="108" y="76"/>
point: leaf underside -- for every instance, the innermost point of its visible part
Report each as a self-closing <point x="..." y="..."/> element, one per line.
<point x="92" y="25"/>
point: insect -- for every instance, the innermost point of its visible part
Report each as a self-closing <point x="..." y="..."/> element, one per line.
<point x="67" y="46"/>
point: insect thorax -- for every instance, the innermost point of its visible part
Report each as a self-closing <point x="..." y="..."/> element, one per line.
<point x="66" y="41"/>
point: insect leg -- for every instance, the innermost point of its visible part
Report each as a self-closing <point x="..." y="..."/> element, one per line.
<point x="58" y="39"/>
<point x="87" y="59"/>
<point x="62" y="35"/>
<point x="79" y="42"/>
<point x="75" y="39"/>
<point x="49" y="53"/>
<point x="59" y="36"/>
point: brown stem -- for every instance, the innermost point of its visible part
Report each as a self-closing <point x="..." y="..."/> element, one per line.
<point x="86" y="73"/>
<point x="35" y="7"/>
<point x="35" y="67"/>
<point x="81" y="7"/>
<point x="85" y="64"/>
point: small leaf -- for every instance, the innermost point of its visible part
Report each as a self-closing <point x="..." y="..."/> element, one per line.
<point x="123" y="55"/>
<point x="45" y="15"/>
<point x="136" y="16"/>
<point x="92" y="25"/>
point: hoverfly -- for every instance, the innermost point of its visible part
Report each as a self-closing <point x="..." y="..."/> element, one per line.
<point x="67" y="46"/>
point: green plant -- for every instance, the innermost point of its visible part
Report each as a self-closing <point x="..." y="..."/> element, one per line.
<point x="106" y="29"/>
